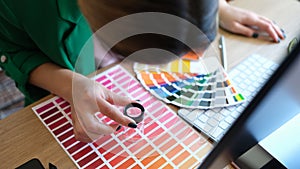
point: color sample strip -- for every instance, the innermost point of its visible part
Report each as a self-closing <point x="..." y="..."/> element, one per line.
<point x="162" y="140"/>
<point x="183" y="65"/>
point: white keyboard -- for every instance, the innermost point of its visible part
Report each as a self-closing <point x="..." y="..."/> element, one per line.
<point x="248" y="77"/>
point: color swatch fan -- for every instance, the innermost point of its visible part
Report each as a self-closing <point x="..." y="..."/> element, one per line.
<point x="190" y="84"/>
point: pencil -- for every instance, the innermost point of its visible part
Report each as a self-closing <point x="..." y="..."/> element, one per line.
<point x="222" y="46"/>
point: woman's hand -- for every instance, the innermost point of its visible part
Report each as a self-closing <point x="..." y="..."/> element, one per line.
<point x="244" y="22"/>
<point x="89" y="97"/>
<point x="86" y="97"/>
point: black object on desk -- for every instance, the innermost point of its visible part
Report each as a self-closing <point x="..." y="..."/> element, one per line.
<point x="32" y="164"/>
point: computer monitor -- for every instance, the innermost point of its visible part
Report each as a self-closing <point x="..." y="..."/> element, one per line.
<point x="277" y="102"/>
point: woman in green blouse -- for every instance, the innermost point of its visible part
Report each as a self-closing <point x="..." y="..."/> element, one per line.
<point x="40" y="42"/>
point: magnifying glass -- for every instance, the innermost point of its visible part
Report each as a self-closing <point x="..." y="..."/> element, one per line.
<point x="135" y="111"/>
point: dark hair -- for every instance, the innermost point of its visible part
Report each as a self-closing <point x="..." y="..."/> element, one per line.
<point x="198" y="13"/>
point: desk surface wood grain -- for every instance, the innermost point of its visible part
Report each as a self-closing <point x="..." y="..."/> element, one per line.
<point x="23" y="136"/>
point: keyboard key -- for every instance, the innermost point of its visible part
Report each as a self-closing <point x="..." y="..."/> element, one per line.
<point x="252" y="88"/>
<point x="238" y="80"/>
<point x="240" y="109"/>
<point x="203" y="126"/>
<point x="217" y="132"/>
<point x="184" y="112"/>
<point x="207" y="128"/>
<point x="203" y="118"/>
<point x="219" y="117"/>
<point x="193" y="115"/>
<point x="209" y="113"/>
<point x="226" y="112"/>
<point x="229" y="119"/>
<point x="232" y="108"/>
<point x="212" y="122"/>
<point x="235" y="114"/>
<point x="224" y="125"/>
<point x="246" y="93"/>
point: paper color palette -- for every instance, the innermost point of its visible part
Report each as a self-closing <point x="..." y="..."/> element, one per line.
<point x="178" y="84"/>
<point x="177" y="66"/>
<point x="163" y="140"/>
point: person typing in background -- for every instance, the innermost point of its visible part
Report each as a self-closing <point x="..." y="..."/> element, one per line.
<point x="40" y="42"/>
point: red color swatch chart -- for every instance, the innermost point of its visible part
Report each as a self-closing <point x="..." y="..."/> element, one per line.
<point x="163" y="140"/>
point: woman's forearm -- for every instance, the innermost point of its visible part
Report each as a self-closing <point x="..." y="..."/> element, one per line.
<point x="54" y="79"/>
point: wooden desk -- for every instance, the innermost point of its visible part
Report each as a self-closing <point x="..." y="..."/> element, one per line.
<point x="285" y="15"/>
<point x="23" y="136"/>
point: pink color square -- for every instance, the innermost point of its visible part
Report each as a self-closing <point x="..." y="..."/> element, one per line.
<point x="161" y="111"/>
<point x="87" y="159"/>
<point x="136" y="167"/>
<point x="161" y="139"/>
<point x="102" y="140"/>
<point x="65" y="104"/>
<point x="156" y="133"/>
<point x="189" y="140"/>
<point x="109" y="155"/>
<point x="59" y="100"/>
<point x="172" y="122"/>
<point x="134" y="88"/>
<point x="168" y="144"/>
<point x="51" y="119"/>
<point x="109" y="144"/>
<point x="117" y="90"/>
<point x="49" y="112"/>
<point x="139" y="92"/>
<point x="82" y="152"/>
<point x="65" y="136"/>
<point x="106" y="119"/>
<point x="99" y="79"/>
<point x="70" y="115"/>
<point x="150" y="128"/>
<point x="69" y="142"/>
<point x="177" y="127"/>
<point x="45" y="107"/>
<point x="58" y="123"/>
<point x="154" y="107"/>
<point x="126" y="164"/>
<point x="165" y="117"/>
<point x="110" y="87"/>
<point x="67" y="110"/>
<point x="144" y="151"/>
<point x="95" y="164"/>
<point x="106" y="82"/>
<point x="184" y="133"/>
<point x="144" y="97"/>
<point x="136" y="145"/>
<point x="150" y="101"/>
<point x="119" y="149"/>
<point x="76" y="147"/>
<point x="117" y="160"/>
<point x="113" y="72"/>
<point x="62" y="129"/>
<point x="124" y="82"/>
<point x="119" y="75"/>
<point x="195" y="147"/>
<point x="101" y="150"/>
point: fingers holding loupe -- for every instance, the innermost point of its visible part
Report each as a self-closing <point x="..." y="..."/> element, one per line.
<point x="135" y="111"/>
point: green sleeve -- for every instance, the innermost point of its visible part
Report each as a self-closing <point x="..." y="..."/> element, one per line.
<point x="35" y="32"/>
<point x="19" y="67"/>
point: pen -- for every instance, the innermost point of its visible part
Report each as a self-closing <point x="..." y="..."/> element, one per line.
<point x="223" y="52"/>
